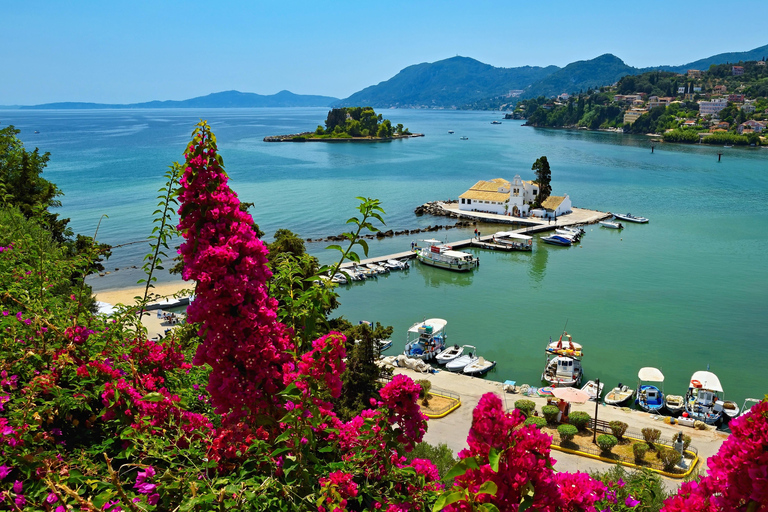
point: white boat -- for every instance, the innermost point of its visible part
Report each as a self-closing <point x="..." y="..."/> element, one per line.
<point x="426" y="339"/>
<point x="557" y="240"/>
<point x="516" y="241"/>
<point x="649" y="397"/>
<point x="339" y="278"/>
<point x="464" y="137"/>
<point x="611" y="225"/>
<point x="630" y="218"/>
<point x="495" y="122"/>
<point x="619" y="395"/>
<point x="479" y="367"/>
<point x="592" y="390"/>
<point x="396" y="264"/>
<point x="468" y="357"/>
<point x="563" y="366"/>
<point x="748" y="404"/>
<point x="377" y="268"/>
<point x="449" y="354"/>
<point x="443" y="256"/>
<point x="731" y="409"/>
<point x="573" y="229"/>
<point x="574" y="237"/>
<point x="702" y="402"/>
<point x="675" y="404"/>
<point x="384" y="344"/>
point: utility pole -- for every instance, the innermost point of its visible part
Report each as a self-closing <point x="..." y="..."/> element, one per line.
<point x="597" y="404"/>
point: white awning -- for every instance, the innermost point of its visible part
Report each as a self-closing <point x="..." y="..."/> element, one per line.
<point x="650" y="374"/>
<point x="510" y="234"/>
<point x="438" y="324"/>
<point x="432" y="241"/>
<point x="708" y="380"/>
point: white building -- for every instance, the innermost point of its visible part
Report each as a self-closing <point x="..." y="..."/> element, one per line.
<point x="712" y="107"/>
<point x="500" y="196"/>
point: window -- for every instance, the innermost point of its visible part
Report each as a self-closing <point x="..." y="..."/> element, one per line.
<point x="462" y="200"/>
<point x="469" y="201"/>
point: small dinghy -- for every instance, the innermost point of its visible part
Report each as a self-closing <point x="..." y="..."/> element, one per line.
<point x="449" y="354"/>
<point x="611" y="225"/>
<point x="731" y="409"/>
<point x="479" y="367"/>
<point x="377" y="268"/>
<point x="468" y="357"/>
<point x="592" y="390"/>
<point x="619" y="395"/>
<point x="675" y="404"/>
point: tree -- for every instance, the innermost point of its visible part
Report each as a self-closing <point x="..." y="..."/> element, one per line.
<point x="543" y="178"/>
<point x="336" y="117"/>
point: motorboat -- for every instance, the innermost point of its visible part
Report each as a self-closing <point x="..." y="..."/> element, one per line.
<point x="450" y="131"/>
<point x="630" y="218"/>
<point x="354" y="273"/>
<point x="426" y="339"/>
<point x="619" y="395"/>
<point x="339" y="278"/>
<point x="567" y="233"/>
<point x="396" y="264"/>
<point x="611" y="225"/>
<point x="731" y="409"/>
<point x="593" y="390"/>
<point x="649" y="397"/>
<point x="701" y="401"/>
<point x="563" y="367"/>
<point x="383" y="344"/>
<point x="468" y="357"/>
<point x="675" y="404"/>
<point x="464" y="137"/>
<point x="514" y="240"/>
<point x="441" y="255"/>
<point x="379" y="269"/>
<point x="573" y="229"/>
<point x="479" y="367"/>
<point x="748" y="404"/>
<point x="557" y="240"/>
<point x="449" y="354"/>
<point x="495" y="122"/>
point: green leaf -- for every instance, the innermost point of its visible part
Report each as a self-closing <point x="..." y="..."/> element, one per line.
<point x="447" y="498"/>
<point x="488" y="488"/>
<point x="462" y="467"/>
<point x="153" y="397"/>
<point x="493" y="459"/>
<point x="489" y="507"/>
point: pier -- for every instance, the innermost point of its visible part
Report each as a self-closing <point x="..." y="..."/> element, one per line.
<point x="533" y="225"/>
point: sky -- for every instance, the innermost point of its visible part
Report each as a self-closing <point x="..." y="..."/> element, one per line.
<point x="127" y="52"/>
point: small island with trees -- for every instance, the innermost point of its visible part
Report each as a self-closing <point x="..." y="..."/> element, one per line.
<point x="351" y="124"/>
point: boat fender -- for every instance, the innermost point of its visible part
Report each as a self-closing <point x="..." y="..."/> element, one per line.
<point x="695" y="383"/>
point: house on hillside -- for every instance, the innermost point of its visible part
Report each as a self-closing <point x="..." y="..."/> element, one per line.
<point x="751" y="126"/>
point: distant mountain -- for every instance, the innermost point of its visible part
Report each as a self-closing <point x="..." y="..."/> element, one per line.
<point x="226" y="99"/>
<point x="721" y="58"/>
<point x="450" y="82"/>
<point x="584" y="74"/>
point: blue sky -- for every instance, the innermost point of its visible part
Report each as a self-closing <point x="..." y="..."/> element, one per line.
<point x="124" y="52"/>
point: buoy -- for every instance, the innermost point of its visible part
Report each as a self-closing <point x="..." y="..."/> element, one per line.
<point x="695" y="383"/>
<point x="685" y="415"/>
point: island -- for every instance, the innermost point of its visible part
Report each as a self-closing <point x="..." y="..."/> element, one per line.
<point x="350" y="124"/>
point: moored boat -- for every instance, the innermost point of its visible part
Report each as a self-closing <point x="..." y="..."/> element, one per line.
<point x="449" y="354"/>
<point x="379" y="269"/>
<point x="630" y="218"/>
<point x="443" y="256"/>
<point x="611" y="225"/>
<point x="396" y="264"/>
<point x="748" y="404"/>
<point x="468" y="356"/>
<point x="593" y="390"/>
<point x="516" y="241"/>
<point x="563" y="367"/>
<point x="701" y="401"/>
<point x="649" y="397"/>
<point x="481" y="366"/>
<point x="426" y="339"/>
<point x="675" y="404"/>
<point x="619" y="395"/>
<point x="557" y="240"/>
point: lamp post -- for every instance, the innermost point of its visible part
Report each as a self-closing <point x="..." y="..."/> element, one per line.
<point x="597" y="404"/>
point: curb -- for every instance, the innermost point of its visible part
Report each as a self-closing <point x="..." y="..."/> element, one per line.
<point x="446" y="413"/>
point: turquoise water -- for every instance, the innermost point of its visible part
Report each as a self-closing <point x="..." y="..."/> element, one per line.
<point x="685" y="291"/>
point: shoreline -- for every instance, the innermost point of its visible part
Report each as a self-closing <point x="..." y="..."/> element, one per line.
<point x="127" y="295"/>
<point x="309" y="137"/>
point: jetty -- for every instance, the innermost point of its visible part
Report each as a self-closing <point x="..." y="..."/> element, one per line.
<point x="532" y="225"/>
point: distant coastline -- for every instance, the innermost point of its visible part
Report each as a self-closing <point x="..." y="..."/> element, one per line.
<point x="311" y="137"/>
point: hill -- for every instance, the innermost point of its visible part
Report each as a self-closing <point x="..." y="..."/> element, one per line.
<point x="450" y="82"/>
<point x="581" y="75"/>
<point x="721" y="58"/>
<point x="226" y="99"/>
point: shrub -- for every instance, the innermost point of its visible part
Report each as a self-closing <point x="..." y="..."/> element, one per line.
<point x="651" y="435"/>
<point x="606" y="442"/>
<point x="686" y="442"/>
<point x="537" y="421"/>
<point x="567" y="432"/>
<point x="579" y="419"/>
<point x="525" y="406"/>
<point x="639" y="450"/>
<point x="699" y="425"/>
<point x="425" y="385"/>
<point x="669" y="457"/>
<point x="618" y="428"/>
<point x="550" y="413"/>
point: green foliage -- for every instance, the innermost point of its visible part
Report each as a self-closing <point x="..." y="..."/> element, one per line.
<point x="727" y="138"/>
<point x="356" y="122"/>
<point x="643" y="485"/>
<point x="606" y="442"/>
<point x="669" y="457"/>
<point x="537" y="421"/>
<point x="567" y="432"/>
<point x="440" y="455"/>
<point x="425" y="385"/>
<point x="639" y="450"/>
<point x="543" y="179"/>
<point x="686" y="441"/>
<point x="550" y="413"/>
<point x="579" y="419"/>
<point x="525" y="406"/>
<point x="618" y="428"/>
<point x="651" y="435"/>
<point x="687" y="136"/>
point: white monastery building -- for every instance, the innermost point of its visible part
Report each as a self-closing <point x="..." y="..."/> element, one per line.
<point x="501" y="197"/>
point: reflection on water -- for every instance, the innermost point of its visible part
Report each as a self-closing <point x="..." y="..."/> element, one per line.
<point x="435" y="277"/>
<point x="539" y="263"/>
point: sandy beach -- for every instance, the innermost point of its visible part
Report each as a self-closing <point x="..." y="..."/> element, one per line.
<point x="127" y="295"/>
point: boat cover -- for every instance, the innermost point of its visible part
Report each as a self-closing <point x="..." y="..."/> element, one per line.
<point x="650" y="374"/>
<point x="432" y="241"/>
<point x="438" y="324"/>
<point x="708" y="381"/>
<point x="510" y="234"/>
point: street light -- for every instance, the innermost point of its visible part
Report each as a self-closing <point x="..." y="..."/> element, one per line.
<point x="597" y="404"/>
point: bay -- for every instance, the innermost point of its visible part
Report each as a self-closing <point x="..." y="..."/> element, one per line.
<point x="685" y="291"/>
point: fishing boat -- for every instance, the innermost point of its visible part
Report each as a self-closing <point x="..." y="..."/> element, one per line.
<point x="468" y="357"/>
<point x="649" y="397"/>
<point x="630" y="218"/>
<point x="591" y="388"/>
<point x="449" y="354"/>
<point x="611" y="225"/>
<point x="619" y="395"/>
<point x="479" y="367"/>
<point x="557" y="240"/>
<point x="515" y="241"/>
<point x="701" y="401"/>
<point x="563" y="367"/>
<point x="425" y="339"/>
<point x="675" y="404"/>
<point x="441" y="255"/>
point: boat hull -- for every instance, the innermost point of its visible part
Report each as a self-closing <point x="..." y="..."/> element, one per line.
<point x="476" y="370"/>
<point x="456" y="267"/>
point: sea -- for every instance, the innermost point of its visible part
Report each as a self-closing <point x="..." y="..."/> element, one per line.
<point x="686" y="292"/>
